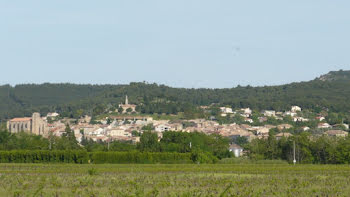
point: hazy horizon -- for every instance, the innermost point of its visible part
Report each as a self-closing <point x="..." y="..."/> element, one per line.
<point x="190" y="44"/>
<point x="148" y="82"/>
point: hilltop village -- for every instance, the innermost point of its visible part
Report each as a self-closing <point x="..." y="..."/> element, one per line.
<point x="125" y="124"/>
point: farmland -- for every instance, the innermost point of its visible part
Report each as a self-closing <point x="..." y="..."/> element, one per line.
<point x="174" y="180"/>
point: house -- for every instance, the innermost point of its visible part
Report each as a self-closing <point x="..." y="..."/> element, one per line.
<point x="262" y="130"/>
<point x="269" y="126"/>
<point x="245" y="115"/>
<point x="295" y="109"/>
<point x="300" y="119"/>
<point x="336" y="133"/>
<point x="52" y="115"/>
<point x="248" y="120"/>
<point x="118" y="132"/>
<point x="289" y="113"/>
<point x="176" y="127"/>
<point x="246" y="111"/>
<point x="284" y="126"/>
<point x="305" y="128"/>
<point x="324" y="126"/>
<point x="269" y="113"/>
<point x="320" y="118"/>
<point x="281" y="135"/>
<point x="262" y="119"/>
<point x="278" y="118"/>
<point x="162" y="128"/>
<point x="237" y="150"/>
<point x="226" y="110"/>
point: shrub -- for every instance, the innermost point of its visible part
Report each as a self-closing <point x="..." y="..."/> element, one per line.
<point x="43" y="156"/>
<point x="139" y="157"/>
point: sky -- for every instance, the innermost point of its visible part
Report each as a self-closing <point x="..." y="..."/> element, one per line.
<point x="180" y="43"/>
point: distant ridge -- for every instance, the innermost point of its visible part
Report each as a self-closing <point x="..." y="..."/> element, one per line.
<point x="340" y="75"/>
<point x="330" y="92"/>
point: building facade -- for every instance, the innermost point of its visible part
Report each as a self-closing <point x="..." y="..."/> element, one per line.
<point x="34" y="125"/>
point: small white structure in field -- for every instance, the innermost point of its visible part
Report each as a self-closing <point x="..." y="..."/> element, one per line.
<point x="237" y="150"/>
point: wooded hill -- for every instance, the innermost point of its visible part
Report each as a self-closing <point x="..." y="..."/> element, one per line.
<point x="330" y="92"/>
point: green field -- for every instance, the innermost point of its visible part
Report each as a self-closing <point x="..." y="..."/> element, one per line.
<point x="174" y="180"/>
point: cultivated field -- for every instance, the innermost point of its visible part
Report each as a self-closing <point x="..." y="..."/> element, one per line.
<point x="174" y="180"/>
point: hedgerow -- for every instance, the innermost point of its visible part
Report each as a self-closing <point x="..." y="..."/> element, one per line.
<point x="82" y="157"/>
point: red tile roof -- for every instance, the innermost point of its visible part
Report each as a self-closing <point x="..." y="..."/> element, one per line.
<point x="20" y="119"/>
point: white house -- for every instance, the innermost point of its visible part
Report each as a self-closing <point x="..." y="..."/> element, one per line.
<point x="247" y="111"/>
<point x="237" y="150"/>
<point x="226" y="110"/>
<point x="300" y="119"/>
<point x="305" y="128"/>
<point x="295" y="109"/>
<point x="52" y="115"/>
<point x="269" y="113"/>
<point x="324" y="126"/>
<point x="162" y="128"/>
<point x="119" y="133"/>
<point x="248" y="120"/>
<point x="289" y="113"/>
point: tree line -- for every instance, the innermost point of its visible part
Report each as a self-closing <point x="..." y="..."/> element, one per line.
<point x="73" y="101"/>
<point x="308" y="149"/>
<point x="206" y="146"/>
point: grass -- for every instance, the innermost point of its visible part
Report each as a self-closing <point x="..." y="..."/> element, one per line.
<point x="174" y="180"/>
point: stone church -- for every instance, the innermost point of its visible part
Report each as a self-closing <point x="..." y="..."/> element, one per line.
<point x="34" y="125"/>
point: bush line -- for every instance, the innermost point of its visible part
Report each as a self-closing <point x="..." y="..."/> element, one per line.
<point x="84" y="157"/>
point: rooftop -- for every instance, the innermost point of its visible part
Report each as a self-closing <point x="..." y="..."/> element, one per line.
<point x="20" y="119"/>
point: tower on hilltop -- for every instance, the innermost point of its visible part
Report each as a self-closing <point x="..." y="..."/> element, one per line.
<point x="127" y="108"/>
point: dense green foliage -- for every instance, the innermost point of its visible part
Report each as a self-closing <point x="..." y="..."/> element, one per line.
<point x="318" y="150"/>
<point x="173" y="148"/>
<point x="83" y="157"/>
<point x="139" y="157"/>
<point x="30" y="156"/>
<point x="332" y="92"/>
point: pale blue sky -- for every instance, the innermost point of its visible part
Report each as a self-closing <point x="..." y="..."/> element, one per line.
<point x="181" y="43"/>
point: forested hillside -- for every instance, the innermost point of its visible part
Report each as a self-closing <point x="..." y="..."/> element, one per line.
<point x="331" y="91"/>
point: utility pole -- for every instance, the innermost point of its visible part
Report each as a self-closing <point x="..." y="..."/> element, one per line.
<point x="294" y="161"/>
<point x="109" y="139"/>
